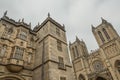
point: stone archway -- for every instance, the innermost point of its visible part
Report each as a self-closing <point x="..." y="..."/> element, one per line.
<point x="117" y="65"/>
<point x="81" y="77"/>
<point x="100" y="78"/>
<point x="11" y="77"/>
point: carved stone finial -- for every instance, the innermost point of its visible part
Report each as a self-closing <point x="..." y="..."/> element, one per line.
<point x="23" y="20"/>
<point x="19" y="20"/>
<point x="93" y="28"/>
<point x="38" y="23"/>
<point x="103" y="20"/>
<point x="69" y="43"/>
<point x="30" y="24"/>
<point x="48" y="14"/>
<point x="63" y="26"/>
<point x="5" y="13"/>
<point x="81" y="39"/>
<point x="77" y="39"/>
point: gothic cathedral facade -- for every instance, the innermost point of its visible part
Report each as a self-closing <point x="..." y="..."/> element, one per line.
<point x="101" y="64"/>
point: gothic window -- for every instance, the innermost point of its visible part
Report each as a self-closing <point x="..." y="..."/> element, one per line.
<point x="98" y="65"/>
<point x="76" y="51"/>
<point x="19" y="53"/>
<point x="117" y="65"/>
<point x="106" y="34"/>
<point x="81" y="77"/>
<point x="73" y="52"/>
<point x="58" y="31"/>
<point x="61" y="63"/>
<point x="62" y="78"/>
<point x="59" y="45"/>
<point x="101" y="36"/>
<point x="3" y="50"/>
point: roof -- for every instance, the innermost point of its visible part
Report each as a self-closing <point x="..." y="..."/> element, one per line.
<point x="7" y="19"/>
<point x="28" y="26"/>
<point x="38" y="27"/>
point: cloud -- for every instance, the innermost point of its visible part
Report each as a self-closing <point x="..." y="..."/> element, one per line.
<point x="77" y="15"/>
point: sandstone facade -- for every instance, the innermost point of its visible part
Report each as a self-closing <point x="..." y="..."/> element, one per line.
<point x="38" y="54"/>
<point x="101" y="64"/>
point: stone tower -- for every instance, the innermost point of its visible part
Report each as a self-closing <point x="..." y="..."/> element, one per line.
<point x="52" y="59"/>
<point x="38" y="54"/>
<point x="104" y="33"/>
<point x="79" y="54"/>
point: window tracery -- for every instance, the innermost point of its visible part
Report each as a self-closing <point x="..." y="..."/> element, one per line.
<point x="106" y="34"/>
<point x="101" y="36"/>
<point x="19" y="53"/>
<point x="98" y="65"/>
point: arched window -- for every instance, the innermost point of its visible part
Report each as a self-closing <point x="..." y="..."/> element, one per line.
<point x="73" y="52"/>
<point x="106" y="34"/>
<point x="98" y="65"/>
<point x="81" y="77"/>
<point x="117" y="65"/>
<point x="101" y="36"/>
<point x="76" y="49"/>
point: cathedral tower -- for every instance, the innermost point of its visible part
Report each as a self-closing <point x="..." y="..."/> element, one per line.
<point x="78" y="49"/>
<point x="109" y="43"/>
<point x="104" y="33"/>
<point x="79" y="54"/>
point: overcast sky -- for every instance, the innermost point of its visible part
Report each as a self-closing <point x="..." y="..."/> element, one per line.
<point x="77" y="15"/>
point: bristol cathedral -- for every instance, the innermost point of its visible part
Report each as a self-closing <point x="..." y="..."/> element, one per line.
<point x="42" y="53"/>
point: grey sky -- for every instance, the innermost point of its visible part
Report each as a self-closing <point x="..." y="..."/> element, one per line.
<point x="77" y="15"/>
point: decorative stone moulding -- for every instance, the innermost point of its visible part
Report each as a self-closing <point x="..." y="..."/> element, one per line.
<point x="15" y="65"/>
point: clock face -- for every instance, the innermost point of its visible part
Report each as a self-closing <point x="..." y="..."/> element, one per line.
<point x="98" y="66"/>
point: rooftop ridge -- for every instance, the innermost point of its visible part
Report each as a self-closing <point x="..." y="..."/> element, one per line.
<point x="10" y="20"/>
<point x="37" y="27"/>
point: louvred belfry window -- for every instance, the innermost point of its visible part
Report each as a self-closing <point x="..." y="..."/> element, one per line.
<point x="106" y="34"/>
<point x="101" y="36"/>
